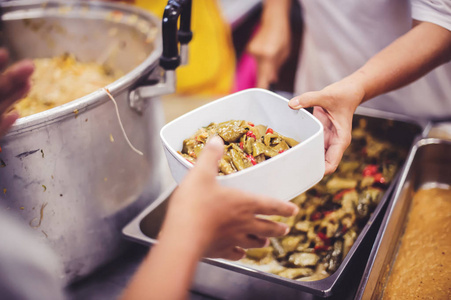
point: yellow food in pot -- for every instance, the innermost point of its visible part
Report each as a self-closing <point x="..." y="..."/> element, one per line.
<point x="62" y="79"/>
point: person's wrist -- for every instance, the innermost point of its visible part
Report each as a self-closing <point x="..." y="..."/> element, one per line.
<point x="184" y="231"/>
<point x="194" y="223"/>
<point x="354" y="90"/>
<point x="276" y="12"/>
<point x="361" y="84"/>
<point x="275" y="21"/>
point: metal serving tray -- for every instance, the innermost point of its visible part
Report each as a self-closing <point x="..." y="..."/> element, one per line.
<point x="428" y="165"/>
<point x="229" y="280"/>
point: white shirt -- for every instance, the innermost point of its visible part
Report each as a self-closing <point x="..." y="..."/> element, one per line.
<point x="341" y="35"/>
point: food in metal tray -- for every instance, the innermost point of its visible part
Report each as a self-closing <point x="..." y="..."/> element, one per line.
<point x="245" y="144"/>
<point x="332" y="213"/>
<point x="423" y="261"/>
<point x="61" y="79"/>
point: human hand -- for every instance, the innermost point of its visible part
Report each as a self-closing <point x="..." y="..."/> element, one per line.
<point x="334" y="107"/>
<point x="271" y="44"/>
<point x="220" y="219"/>
<point x="14" y="85"/>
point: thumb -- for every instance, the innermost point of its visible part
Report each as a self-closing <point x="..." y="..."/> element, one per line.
<point x="210" y="155"/>
<point x="305" y="100"/>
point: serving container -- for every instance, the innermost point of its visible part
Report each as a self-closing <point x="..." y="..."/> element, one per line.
<point x="302" y="165"/>
<point x="229" y="280"/>
<point x="68" y="172"/>
<point x="428" y="166"/>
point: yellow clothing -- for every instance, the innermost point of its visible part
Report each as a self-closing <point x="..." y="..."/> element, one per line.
<point x="211" y="65"/>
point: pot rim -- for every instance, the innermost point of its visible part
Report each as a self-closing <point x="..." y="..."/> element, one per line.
<point x="97" y="97"/>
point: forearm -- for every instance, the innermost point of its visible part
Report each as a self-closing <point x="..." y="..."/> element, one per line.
<point x="408" y="58"/>
<point x="167" y="271"/>
<point x="276" y="10"/>
<point x="271" y="44"/>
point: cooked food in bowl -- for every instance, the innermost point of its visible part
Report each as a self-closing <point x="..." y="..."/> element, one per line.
<point x="332" y="213"/>
<point x="61" y="79"/>
<point x="245" y="144"/>
<point x="423" y="261"/>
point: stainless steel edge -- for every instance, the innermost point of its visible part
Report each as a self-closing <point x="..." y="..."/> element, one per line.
<point x="376" y="246"/>
<point x="371" y="112"/>
<point x="375" y="264"/>
<point x="132" y="230"/>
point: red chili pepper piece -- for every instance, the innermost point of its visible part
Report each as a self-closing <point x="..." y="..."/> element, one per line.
<point x="321" y="248"/>
<point x="322" y="236"/>
<point x="241" y="145"/>
<point x="251" y="134"/>
<point x="252" y="159"/>
<point x="370" y="170"/>
<point x="379" y="178"/>
<point x="251" y="124"/>
<point x="281" y="151"/>
<point x="364" y="151"/>
<point x="341" y="194"/>
<point x="269" y="130"/>
<point x="316" y="216"/>
<point x="344" y="229"/>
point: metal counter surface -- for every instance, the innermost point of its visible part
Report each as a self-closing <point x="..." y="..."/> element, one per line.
<point x="108" y="282"/>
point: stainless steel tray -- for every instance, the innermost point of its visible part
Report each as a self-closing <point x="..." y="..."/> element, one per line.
<point x="233" y="281"/>
<point x="428" y="165"/>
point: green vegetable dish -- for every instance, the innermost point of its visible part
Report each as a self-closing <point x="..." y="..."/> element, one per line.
<point x="245" y="144"/>
<point x="332" y="213"/>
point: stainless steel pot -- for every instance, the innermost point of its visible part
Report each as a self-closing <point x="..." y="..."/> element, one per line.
<point x="68" y="172"/>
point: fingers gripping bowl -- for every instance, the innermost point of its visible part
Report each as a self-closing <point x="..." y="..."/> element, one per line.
<point x="283" y="176"/>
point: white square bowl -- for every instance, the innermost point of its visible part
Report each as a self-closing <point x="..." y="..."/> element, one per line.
<point x="284" y="176"/>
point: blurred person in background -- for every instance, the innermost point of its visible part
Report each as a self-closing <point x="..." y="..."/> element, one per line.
<point x="203" y="220"/>
<point x="394" y="52"/>
<point x="211" y="59"/>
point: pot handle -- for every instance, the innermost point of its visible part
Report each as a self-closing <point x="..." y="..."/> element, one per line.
<point x="170" y="59"/>
<point x="164" y="82"/>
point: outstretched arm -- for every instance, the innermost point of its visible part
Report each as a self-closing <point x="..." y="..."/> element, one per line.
<point x="204" y="219"/>
<point x="408" y="58"/>
<point x="413" y="55"/>
<point x="271" y="44"/>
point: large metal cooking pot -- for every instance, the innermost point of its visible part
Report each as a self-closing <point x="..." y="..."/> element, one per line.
<point x="68" y="172"/>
